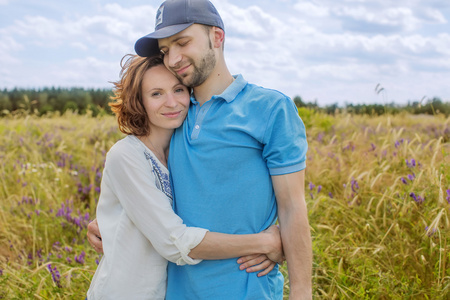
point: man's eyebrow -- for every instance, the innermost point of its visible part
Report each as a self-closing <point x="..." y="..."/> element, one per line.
<point x="175" y="40"/>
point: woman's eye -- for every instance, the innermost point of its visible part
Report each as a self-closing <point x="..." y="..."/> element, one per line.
<point x="164" y="51"/>
<point x="155" y="94"/>
<point x="180" y="90"/>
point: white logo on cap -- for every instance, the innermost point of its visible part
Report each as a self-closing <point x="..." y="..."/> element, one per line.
<point x="159" y="15"/>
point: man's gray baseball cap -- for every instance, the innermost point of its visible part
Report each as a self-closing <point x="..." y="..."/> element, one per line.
<point x="174" y="16"/>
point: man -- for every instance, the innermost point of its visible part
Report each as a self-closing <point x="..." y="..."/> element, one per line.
<point x="237" y="161"/>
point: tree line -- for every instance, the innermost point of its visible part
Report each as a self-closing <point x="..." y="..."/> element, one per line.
<point x="95" y="102"/>
<point x="45" y="100"/>
<point x="430" y="107"/>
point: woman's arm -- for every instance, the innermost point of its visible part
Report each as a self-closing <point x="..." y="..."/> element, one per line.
<point x="220" y="245"/>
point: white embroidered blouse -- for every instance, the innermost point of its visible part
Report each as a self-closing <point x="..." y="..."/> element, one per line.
<point x="139" y="229"/>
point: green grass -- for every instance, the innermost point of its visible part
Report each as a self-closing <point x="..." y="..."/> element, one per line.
<point x="371" y="239"/>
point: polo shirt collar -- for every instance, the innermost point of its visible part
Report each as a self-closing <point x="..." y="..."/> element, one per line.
<point x="230" y="92"/>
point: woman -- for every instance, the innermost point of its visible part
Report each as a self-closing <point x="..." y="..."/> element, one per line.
<point x="140" y="232"/>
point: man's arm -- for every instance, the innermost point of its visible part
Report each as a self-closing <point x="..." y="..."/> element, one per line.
<point x="295" y="232"/>
<point x="94" y="236"/>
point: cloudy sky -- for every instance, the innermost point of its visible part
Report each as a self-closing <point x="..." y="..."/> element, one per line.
<point x="322" y="50"/>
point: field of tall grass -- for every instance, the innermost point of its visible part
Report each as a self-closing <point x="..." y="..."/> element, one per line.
<point x="378" y="193"/>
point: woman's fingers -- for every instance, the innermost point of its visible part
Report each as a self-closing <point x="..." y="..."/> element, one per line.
<point x="247" y="258"/>
<point x="253" y="261"/>
<point x="269" y="268"/>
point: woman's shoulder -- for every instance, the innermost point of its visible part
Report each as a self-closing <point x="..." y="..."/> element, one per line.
<point x="126" y="144"/>
<point x="128" y="148"/>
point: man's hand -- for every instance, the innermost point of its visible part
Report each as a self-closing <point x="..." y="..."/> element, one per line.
<point x="94" y="237"/>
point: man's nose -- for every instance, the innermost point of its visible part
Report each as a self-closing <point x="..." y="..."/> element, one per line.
<point x="174" y="58"/>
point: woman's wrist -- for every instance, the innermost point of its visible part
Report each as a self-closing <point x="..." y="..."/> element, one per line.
<point x="266" y="242"/>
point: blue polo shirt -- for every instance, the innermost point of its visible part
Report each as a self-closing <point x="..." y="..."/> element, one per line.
<point x="221" y="162"/>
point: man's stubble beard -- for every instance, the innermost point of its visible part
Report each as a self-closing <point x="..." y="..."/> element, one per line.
<point x="201" y="71"/>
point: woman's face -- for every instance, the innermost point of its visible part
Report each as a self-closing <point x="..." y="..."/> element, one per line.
<point x="165" y="99"/>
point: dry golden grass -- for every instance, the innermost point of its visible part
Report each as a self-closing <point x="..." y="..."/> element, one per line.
<point x="377" y="233"/>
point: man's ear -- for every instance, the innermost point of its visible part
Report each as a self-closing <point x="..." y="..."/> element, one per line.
<point x="219" y="37"/>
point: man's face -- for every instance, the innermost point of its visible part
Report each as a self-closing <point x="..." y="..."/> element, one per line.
<point x="189" y="55"/>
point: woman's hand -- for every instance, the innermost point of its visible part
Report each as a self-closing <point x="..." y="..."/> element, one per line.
<point x="275" y="250"/>
<point x="255" y="263"/>
<point x="265" y="262"/>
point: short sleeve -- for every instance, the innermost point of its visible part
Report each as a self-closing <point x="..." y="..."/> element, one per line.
<point x="284" y="140"/>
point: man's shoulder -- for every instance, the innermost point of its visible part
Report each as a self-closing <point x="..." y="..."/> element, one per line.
<point x="261" y="97"/>
<point x="263" y="93"/>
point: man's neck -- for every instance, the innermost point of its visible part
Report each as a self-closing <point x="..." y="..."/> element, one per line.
<point x="217" y="82"/>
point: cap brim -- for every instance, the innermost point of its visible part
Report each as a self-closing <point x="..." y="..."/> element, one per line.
<point x="148" y="45"/>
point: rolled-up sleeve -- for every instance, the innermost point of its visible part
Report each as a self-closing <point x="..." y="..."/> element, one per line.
<point x="131" y="179"/>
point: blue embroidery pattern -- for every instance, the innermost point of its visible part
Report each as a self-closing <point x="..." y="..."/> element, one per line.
<point x="162" y="179"/>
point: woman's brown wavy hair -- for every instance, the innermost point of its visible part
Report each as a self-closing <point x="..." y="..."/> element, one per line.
<point x="128" y="106"/>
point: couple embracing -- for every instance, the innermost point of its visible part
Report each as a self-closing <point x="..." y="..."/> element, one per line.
<point x="236" y="154"/>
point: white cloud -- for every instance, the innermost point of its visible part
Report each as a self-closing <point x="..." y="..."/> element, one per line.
<point x="374" y="16"/>
<point x="8" y="45"/>
<point x="319" y="49"/>
<point x="432" y="15"/>
<point x="89" y="71"/>
<point x="311" y="9"/>
<point x="249" y="22"/>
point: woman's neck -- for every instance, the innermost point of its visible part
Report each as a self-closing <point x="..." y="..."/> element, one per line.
<point x="158" y="141"/>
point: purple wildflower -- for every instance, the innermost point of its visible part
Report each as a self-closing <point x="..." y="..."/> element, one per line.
<point x="320" y="137"/>
<point x="417" y="198"/>
<point x="398" y="143"/>
<point x="448" y="196"/>
<point x="39" y="253"/>
<point x="411" y="163"/>
<point x="350" y="146"/>
<point x="411" y="176"/>
<point x="430" y="233"/>
<point x="355" y="185"/>
<point x="80" y="258"/>
<point x="421" y="200"/>
<point x="311" y="186"/>
<point x="1" y="272"/>
<point x="331" y="195"/>
<point x="404" y="180"/>
<point x="55" y="275"/>
<point x="373" y="146"/>
<point x="319" y="188"/>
